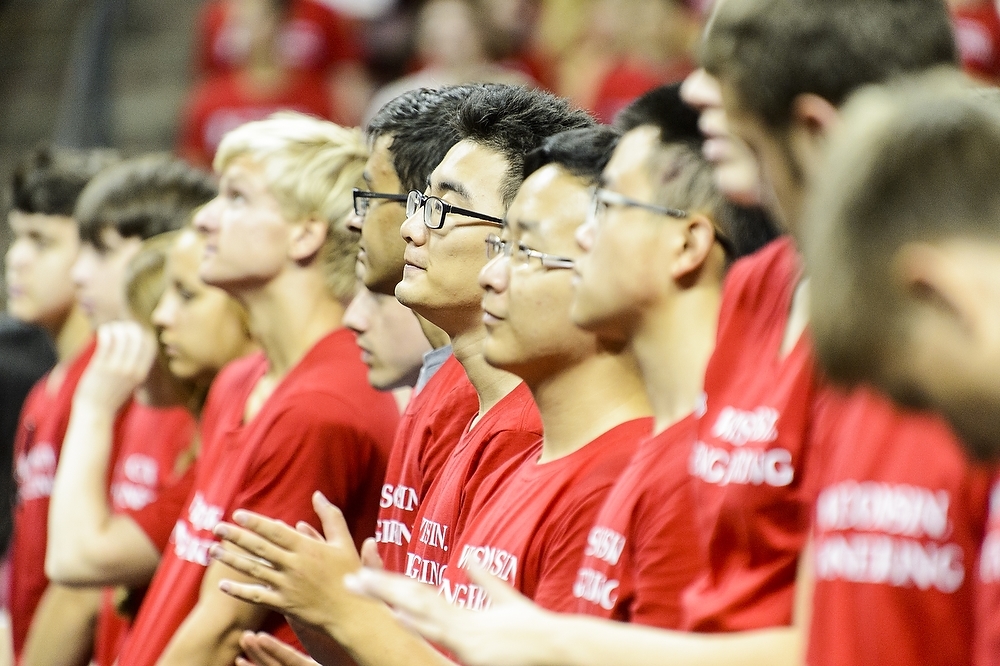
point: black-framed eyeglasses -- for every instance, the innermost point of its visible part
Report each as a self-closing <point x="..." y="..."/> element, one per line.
<point x="495" y="246"/>
<point x="602" y="199"/>
<point x="362" y="200"/>
<point x="435" y="209"/>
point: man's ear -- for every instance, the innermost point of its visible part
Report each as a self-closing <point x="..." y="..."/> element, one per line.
<point x="813" y="118"/>
<point x="307" y="239"/>
<point x="699" y="241"/>
<point x="930" y="276"/>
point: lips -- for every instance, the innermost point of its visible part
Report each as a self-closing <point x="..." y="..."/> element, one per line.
<point x="410" y="261"/>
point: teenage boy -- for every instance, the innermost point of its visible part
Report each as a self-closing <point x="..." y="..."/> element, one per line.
<point x="468" y="193"/>
<point x="408" y="137"/>
<point x="40" y="291"/>
<point x="119" y="209"/>
<point x="296" y="418"/>
<point x="904" y="296"/>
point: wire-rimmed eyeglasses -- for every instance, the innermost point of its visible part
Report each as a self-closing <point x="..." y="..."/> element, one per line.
<point x="435" y="210"/>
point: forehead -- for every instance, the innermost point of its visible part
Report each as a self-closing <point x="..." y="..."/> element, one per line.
<point x="628" y="168"/>
<point x="551" y="203"/>
<point x="474" y="167"/>
<point x="244" y="168"/>
<point x="20" y="221"/>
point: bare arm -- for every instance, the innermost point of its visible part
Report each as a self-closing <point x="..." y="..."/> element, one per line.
<point x="88" y="545"/>
<point x="210" y="635"/>
<point x="62" y="630"/>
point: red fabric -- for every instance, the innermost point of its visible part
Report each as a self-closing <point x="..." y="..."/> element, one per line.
<point x="628" y="80"/>
<point x="430" y="428"/>
<point x="750" y="471"/>
<point x="225" y="102"/>
<point x="37" y="444"/>
<point x="510" y="429"/>
<point x="987" y="643"/>
<point x="643" y="549"/>
<point x="158" y="518"/>
<point x="323" y="428"/>
<point x="314" y="38"/>
<point x="148" y="442"/>
<point x="977" y="34"/>
<point x="531" y="532"/>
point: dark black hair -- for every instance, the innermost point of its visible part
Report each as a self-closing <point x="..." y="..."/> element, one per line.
<point x="513" y="121"/>
<point x="142" y="197"/>
<point x="745" y="229"/>
<point x="49" y="180"/>
<point x="419" y="122"/>
<point x="583" y="152"/>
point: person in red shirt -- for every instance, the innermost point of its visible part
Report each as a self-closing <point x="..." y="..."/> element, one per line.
<point x="112" y="227"/>
<point x="38" y="276"/>
<point x="298" y="418"/>
<point x="94" y="540"/>
<point x="468" y="190"/>
<point x="916" y="330"/>
<point x="408" y="137"/>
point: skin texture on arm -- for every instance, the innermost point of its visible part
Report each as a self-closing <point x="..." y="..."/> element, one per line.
<point x="210" y="634"/>
<point x="297" y="574"/>
<point x="62" y="630"/>
<point x="515" y="632"/>
<point x="87" y="544"/>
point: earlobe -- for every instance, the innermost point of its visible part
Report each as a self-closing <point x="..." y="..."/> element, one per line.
<point x="307" y="239"/>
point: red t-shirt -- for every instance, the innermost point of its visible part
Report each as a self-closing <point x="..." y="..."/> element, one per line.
<point x="749" y="466"/>
<point x="977" y="34"/>
<point x="148" y="442"/>
<point x="531" y="531"/>
<point x="323" y="428"/>
<point x="512" y="428"/>
<point x="987" y="642"/>
<point x="643" y="549"/>
<point x="313" y="38"/>
<point x="37" y="444"/>
<point x="430" y="428"/>
<point x="225" y="102"/>
<point x="898" y="524"/>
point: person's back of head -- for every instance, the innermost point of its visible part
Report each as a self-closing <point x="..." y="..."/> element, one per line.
<point x="771" y="51"/>
<point x="141" y="198"/>
<point x="419" y="122"/>
<point x="48" y="181"/>
<point x="513" y="121"/>
<point x="742" y="230"/>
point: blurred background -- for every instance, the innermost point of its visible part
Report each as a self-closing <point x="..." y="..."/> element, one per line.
<point x="175" y="75"/>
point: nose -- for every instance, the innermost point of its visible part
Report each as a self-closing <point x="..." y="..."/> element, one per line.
<point x="584" y="235"/>
<point x="355" y="221"/>
<point x="356" y="316"/>
<point x="413" y="230"/>
<point x="17" y="255"/>
<point x="206" y="219"/>
<point x="164" y="314"/>
<point x="83" y="267"/>
<point x="701" y="90"/>
<point x="495" y="275"/>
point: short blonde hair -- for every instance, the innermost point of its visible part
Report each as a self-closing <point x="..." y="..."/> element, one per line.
<point x="311" y="166"/>
<point x="144" y="283"/>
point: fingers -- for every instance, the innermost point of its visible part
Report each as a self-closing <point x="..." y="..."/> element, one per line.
<point x="274" y="531"/>
<point x="415" y="599"/>
<point x="253" y="594"/>
<point x="266" y="650"/>
<point x="498" y="591"/>
<point x="334" y="526"/>
<point x="253" y="544"/>
<point x="302" y="527"/>
<point x="369" y="555"/>
<point x="250" y="566"/>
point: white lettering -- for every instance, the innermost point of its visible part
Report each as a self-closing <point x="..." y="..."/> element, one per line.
<point x="401" y="497"/>
<point x="496" y="561"/>
<point x="426" y="571"/>
<point x="887" y="560"/>
<point x="605" y="544"/>
<point x="434" y="534"/>
<point x="465" y="595"/>
<point x="717" y="466"/>
<point x="392" y="531"/>
<point x="202" y="515"/>
<point x="738" y="426"/>
<point x="593" y="586"/>
<point x="882" y="507"/>
<point x="36" y="472"/>
<point x="190" y="547"/>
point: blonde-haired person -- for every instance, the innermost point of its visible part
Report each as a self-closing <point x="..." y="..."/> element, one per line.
<point x="296" y="418"/>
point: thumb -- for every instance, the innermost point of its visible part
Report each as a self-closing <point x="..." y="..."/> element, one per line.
<point x="369" y="555"/>
<point x="499" y="591"/>
<point x="334" y="526"/>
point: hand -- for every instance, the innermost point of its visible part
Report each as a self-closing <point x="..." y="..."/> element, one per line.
<point x="369" y="555"/>
<point x="125" y="352"/>
<point x="265" y="650"/>
<point x="299" y="571"/>
<point x="511" y="632"/>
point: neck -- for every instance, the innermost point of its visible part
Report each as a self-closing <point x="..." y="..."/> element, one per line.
<point x="289" y="315"/>
<point x="435" y="336"/>
<point x="491" y="384"/>
<point x="582" y="402"/>
<point x="72" y="335"/>
<point x="672" y="346"/>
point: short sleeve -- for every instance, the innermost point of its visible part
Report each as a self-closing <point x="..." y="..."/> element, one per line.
<point x="157" y="518"/>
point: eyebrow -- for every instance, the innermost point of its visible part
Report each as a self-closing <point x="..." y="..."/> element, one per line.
<point x="528" y="226"/>
<point x="457" y="188"/>
<point x="602" y="182"/>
